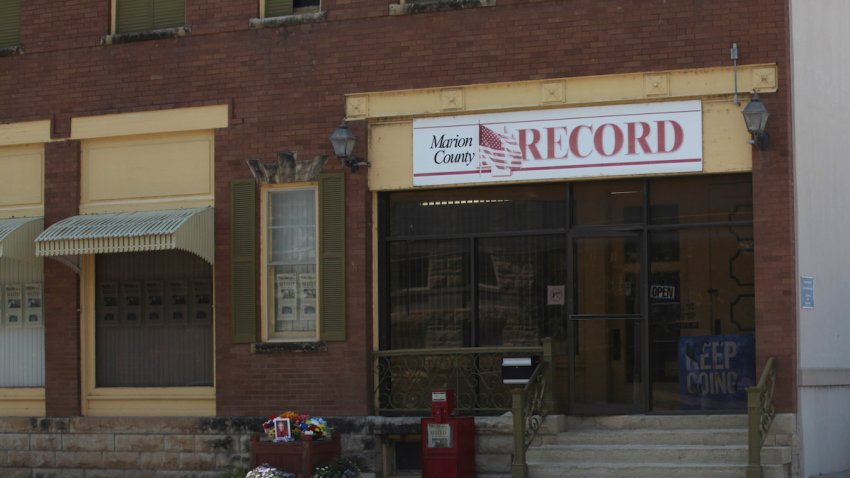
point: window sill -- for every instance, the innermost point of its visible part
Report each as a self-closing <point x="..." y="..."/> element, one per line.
<point x="116" y="38"/>
<point x="278" y="347"/>
<point x="11" y="50"/>
<point x="295" y="19"/>
<point x="150" y="401"/>
<point x="437" y="6"/>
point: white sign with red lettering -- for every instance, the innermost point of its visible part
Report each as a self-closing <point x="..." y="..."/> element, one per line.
<point x="647" y="138"/>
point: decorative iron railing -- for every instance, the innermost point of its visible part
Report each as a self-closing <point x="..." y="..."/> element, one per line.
<point x="405" y="378"/>
<point x="760" y="413"/>
<point x="530" y="405"/>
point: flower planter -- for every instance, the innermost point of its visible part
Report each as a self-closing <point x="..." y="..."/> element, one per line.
<point x="299" y="457"/>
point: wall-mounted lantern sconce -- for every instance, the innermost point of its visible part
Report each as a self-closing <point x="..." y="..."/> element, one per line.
<point x="755" y="115"/>
<point x="343" y="141"/>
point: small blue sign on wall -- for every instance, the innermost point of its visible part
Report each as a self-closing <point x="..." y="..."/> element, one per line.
<point x="715" y="371"/>
<point x="807" y="292"/>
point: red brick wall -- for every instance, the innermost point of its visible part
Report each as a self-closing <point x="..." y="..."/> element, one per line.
<point x="61" y="292"/>
<point x="286" y="85"/>
<point x="775" y="290"/>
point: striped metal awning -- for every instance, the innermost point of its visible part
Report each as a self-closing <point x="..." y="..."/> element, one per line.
<point x="139" y="231"/>
<point x="17" y="236"/>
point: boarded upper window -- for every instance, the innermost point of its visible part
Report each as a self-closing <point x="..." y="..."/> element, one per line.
<point x="146" y="15"/>
<point x="10" y="23"/>
<point x="280" y="8"/>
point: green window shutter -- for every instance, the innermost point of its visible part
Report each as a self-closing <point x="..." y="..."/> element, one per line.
<point x="133" y="15"/>
<point x="169" y="13"/>
<point x="10" y="23"/>
<point x="332" y="256"/>
<point x="243" y="260"/>
<point x="278" y="8"/>
<point x="146" y="15"/>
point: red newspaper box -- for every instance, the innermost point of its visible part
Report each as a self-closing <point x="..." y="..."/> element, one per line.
<point x="448" y="443"/>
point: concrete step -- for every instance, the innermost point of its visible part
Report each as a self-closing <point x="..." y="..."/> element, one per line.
<point x="650" y="470"/>
<point x="593" y="470"/>
<point x="656" y="422"/>
<point x="653" y="446"/>
<point x="668" y="454"/>
<point x="684" y="436"/>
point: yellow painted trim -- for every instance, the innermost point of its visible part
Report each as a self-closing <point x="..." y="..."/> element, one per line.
<point x="6" y="213"/>
<point x="184" y="181"/>
<point x="150" y="122"/>
<point x="129" y="402"/>
<point x="588" y="90"/>
<point x="152" y="407"/>
<point x="264" y="273"/>
<point x="375" y="284"/>
<point x="113" y="16"/>
<point x="145" y="205"/>
<point x="24" y="181"/>
<point x="262" y="8"/>
<point x="390" y="156"/>
<point x="87" y="314"/>
<point x="156" y="401"/>
<point x="22" y="402"/>
<point x="25" y="133"/>
<point x="375" y="273"/>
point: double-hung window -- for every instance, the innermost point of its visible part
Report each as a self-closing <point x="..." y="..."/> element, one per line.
<point x="302" y="260"/>
<point x="292" y="262"/>
<point x="10" y="23"/>
<point x="146" y="15"/>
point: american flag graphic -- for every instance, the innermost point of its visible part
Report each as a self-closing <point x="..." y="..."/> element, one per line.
<point x="498" y="150"/>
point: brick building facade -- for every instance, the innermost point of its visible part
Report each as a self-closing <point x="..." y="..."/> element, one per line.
<point x="285" y="84"/>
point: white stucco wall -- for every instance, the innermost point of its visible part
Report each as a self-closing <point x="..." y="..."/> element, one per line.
<point x="820" y="48"/>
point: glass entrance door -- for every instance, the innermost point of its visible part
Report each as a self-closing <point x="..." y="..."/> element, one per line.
<point x="607" y="325"/>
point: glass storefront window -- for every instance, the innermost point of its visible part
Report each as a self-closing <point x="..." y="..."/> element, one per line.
<point x="153" y="321"/>
<point x="607" y="363"/>
<point x="700" y="199"/>
<point x="429" y="288"/>
<point x="501" y="267"/>
<point x="515" y="276"/>
<point x="702" y="318"/>
<point x="431" y="303"/>
<point x="607" y="203"/>
<point x="21" y="323"/>
<point x="606" y="280"/>
<point x="478" y="210"/>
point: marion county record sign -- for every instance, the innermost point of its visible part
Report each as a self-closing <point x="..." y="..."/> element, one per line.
<point x="636" y="139"/>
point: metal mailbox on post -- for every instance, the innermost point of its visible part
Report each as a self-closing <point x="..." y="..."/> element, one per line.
<point x="518" y="370"/>
<point x="448" y="442"/>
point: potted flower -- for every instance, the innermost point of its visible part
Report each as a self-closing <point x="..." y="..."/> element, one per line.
<point x="295" y="443"/>
<point x="292" y="426"/>
<point x="266" y="471"/>
<point x="338" y="468"/>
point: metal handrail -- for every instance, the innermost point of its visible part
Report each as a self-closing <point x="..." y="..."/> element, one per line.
<point x="760" y="414"/>
<point x="405" y="378"/>
<point x="530" y="405"/>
